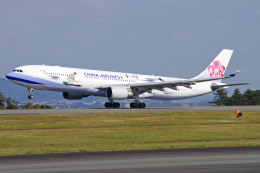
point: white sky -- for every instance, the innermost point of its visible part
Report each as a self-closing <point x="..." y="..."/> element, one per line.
<point x="169" y="38"/>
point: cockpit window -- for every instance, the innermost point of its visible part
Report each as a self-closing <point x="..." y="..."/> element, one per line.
<point x="17" y="70"/>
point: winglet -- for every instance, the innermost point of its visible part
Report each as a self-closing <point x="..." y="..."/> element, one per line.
<point x="234" y="74"/>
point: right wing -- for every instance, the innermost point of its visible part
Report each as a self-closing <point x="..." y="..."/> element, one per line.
<point x="139" y="88"/>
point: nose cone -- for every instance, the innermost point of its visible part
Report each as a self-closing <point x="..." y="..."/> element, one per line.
<point x="9" y="75"/>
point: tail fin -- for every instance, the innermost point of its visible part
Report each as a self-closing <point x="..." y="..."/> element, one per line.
<point x="218" y="66"/>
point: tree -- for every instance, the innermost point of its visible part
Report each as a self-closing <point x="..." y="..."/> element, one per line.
<point x="221" y="98"/>
<point x="2" y="101"/>
<point x="257" y="97"/>
<point x="30" y="105"/>
<point x="11" y="104"/>
<point x="248" y="97"/>
<point x="252" y="97"/>
<point x="237" y="98"/>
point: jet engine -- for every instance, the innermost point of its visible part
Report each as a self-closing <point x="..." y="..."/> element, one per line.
<point x="119" y="92"/>
<point x="73" y="96"/>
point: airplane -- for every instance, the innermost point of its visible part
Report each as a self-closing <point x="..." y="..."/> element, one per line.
<point x="77" y="83"/>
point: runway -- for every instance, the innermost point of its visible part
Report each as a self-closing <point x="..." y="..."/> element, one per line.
<point x="128" y="110"/>
<point x="206" y="160"/>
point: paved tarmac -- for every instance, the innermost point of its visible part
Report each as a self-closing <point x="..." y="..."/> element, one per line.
<point x="128" y="110"/>
<point x="209" y="160"/>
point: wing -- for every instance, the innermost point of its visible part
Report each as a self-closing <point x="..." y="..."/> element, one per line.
<point x="139" y="88"/>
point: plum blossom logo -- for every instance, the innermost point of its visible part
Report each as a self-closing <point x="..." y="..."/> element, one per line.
<point x="216" y="69"/>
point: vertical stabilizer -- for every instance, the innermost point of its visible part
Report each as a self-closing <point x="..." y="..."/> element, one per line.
<point x="218" y="66"/>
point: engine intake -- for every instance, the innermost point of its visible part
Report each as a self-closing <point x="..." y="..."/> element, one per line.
<point x="119" y="93"/>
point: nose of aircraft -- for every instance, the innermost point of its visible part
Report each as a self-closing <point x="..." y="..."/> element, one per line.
<point x="9" y="75"/>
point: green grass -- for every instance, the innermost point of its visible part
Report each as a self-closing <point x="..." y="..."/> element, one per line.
<point x="37" y="134"/>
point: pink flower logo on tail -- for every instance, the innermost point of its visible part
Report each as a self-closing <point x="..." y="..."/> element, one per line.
<point x="216" y="69"/>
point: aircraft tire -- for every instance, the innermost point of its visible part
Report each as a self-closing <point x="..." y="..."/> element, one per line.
<point x="112" y="105"/>
<point x="135" y="105"/>
<point x="117" y="105"/>
<point x="30" y="96"/>
<point x="131" y="105"/>
<point x="142" y="105"/>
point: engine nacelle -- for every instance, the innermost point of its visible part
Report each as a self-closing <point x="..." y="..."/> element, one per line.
<point x="215" y="87"/>
<point x="119" y="93"/>
<point x="73" y="96"/>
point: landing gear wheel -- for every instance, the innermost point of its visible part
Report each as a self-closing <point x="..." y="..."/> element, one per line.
<point x="30" y="96"/>
<point x="135" y="105"/>
<point x="142" y="105"/>
<point x="112" y="105"/>
<point x="107" y="104"/>
<point x="116" y="105"/>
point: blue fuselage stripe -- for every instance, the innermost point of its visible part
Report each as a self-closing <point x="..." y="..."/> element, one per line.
<point x="23" y="80"/>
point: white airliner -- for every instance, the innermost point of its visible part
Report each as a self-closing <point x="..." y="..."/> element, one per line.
<point x="78" y="83"/>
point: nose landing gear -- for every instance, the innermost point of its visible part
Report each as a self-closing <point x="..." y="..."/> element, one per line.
<point x="30" y="96"/>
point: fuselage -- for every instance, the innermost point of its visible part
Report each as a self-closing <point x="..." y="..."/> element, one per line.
<point x="94" y="82"/>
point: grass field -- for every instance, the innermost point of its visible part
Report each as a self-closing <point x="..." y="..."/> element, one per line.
<point x="39" y="134"/>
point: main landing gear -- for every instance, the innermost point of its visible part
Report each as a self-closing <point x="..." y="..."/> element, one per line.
<point x="137" y="104"/>
<point x="112" y="104"/>
<point x="30" y="96"/>
<point x="134" y="105"/>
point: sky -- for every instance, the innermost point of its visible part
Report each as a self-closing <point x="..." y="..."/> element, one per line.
<point x="167" y="38"/>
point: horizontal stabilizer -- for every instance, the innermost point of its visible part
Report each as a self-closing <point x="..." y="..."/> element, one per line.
<point x="216" y="87"/>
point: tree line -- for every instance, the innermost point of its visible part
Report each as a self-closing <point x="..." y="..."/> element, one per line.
<point x="249" y="97"/>
<point x="8" y="103"/>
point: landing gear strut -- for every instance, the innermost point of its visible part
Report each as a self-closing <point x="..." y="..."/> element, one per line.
<point x="30" y="96"/>
<point x="137" y="104"/>
<point x="112" y="104"/>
